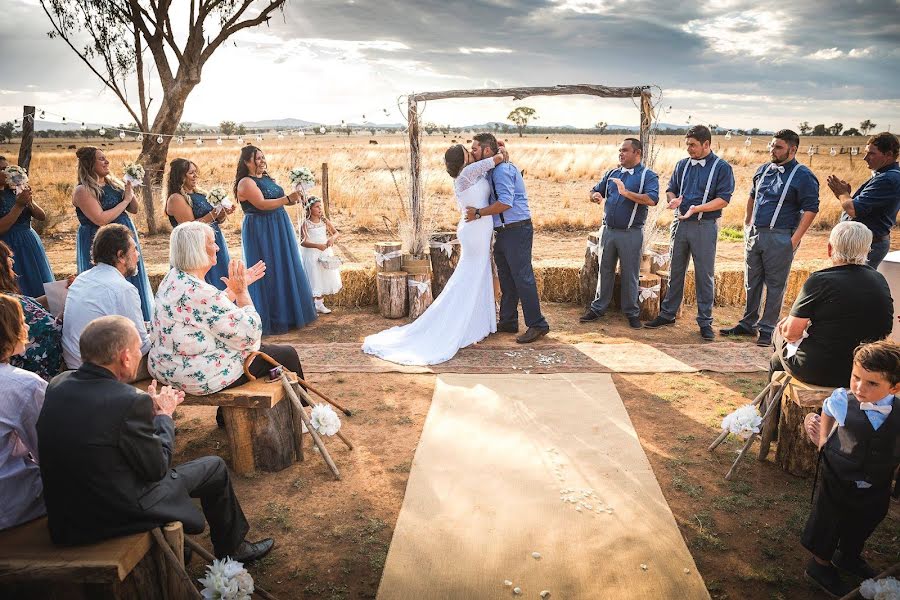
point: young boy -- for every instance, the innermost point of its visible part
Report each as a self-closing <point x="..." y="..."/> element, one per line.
<point x="858" y="461"/>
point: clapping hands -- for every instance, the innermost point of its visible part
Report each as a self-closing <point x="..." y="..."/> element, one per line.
<point x="838" y="186"/>
<point x="166" y="400"/>
<point x="690" y="212"/>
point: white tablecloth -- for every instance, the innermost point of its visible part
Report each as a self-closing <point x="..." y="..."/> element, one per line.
<point x="890" y="268"/>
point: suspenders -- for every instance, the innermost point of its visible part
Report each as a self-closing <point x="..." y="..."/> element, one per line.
<point x="640" y="191"/>
<point x="712" y="172"/>
<point x="784" y="192"/>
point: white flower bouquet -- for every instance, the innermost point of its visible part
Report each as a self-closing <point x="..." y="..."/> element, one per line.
<point x="17" y="177"/>
<point x="302" y="177"/>
<point x="219" y="197"/>
<point x="227" y="579"/>
<point x="743" y="422"/>
<point x="324" y="420"/>
<point x="134" y="174"/>
<point x="880" y="589"/>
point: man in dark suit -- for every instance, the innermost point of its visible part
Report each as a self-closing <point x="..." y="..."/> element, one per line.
<point x="106" y="449"/>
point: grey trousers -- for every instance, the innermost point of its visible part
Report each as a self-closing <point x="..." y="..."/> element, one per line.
<point x="767" y="262"/>
<point x="878" y="251"/>
<point x="693" y="239"/>
<point x="624" y="246"/>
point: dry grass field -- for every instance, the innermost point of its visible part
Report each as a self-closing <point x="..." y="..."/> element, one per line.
<point x="365" y="176"/>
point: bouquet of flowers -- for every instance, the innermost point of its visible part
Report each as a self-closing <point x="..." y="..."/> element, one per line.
<point x="17" y="177"/>
<point x="302" y="177"/>
<point x="219" y="197"/>
<point x="880" y="589"/>
<point x="743" y="422"/>
<point x="134" y="174"/>
<point x="227" y="579"/>
<point x="324" y="420"/>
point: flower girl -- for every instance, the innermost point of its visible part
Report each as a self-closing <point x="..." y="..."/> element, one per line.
<point x="317" y="236"/>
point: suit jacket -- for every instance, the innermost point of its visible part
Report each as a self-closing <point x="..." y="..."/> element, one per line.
<point x="105" y="460"/>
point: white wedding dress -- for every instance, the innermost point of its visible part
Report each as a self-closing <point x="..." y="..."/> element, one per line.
<point x="464" y="312"/>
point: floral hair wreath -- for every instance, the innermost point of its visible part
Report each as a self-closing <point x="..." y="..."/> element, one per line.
<point x="309" y="203"/>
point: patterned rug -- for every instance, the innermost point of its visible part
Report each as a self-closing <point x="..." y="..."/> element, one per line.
<point x="722" y="357"/>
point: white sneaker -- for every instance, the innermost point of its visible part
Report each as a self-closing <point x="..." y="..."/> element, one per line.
<point x="321" y="308"/>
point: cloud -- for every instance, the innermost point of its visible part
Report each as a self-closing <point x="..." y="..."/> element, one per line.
<point x="826" y="54"/>
<point x="755" y="33"/>
<point x="486" y="50"/>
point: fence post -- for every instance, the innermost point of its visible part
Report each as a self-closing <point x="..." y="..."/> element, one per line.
<point x="325" y="199"/>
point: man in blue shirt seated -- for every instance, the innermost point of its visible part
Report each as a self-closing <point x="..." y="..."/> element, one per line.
<point x="876" y="202"/>
<point x="628" y="191"/>
<point x="783" y="201"/>
<point x="700" y="187"/>
<point x="512" y="244"/>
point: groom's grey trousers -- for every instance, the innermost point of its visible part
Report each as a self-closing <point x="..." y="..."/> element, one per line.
<point x="624" y="246"/>
<point x="768" y="257"/>
<point x="692" y="239"/>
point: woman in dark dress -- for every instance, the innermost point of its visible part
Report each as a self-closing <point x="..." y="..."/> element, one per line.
<point x="187" y="203"/>
<point x="283" y="298"/>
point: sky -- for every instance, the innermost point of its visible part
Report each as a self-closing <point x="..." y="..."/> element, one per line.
<point x="734" y="63"/>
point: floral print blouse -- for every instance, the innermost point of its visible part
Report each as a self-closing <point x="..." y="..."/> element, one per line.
<point x="199" y="338"/>
<point x="43" y="354"/>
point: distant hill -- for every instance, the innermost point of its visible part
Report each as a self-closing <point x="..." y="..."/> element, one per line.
<point x="290" y="123"/>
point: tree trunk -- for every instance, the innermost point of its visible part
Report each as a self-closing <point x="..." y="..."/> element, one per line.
<point x="419" y="300"/>
<point x="795" y="453"/>
<point x="392" y="294"/>
<point x="442" y="264"/>
<point x="664" y="278"/>
<point x="260" y="438"/>
<point x="649" y="287"/>
<point x="590" y="269"/>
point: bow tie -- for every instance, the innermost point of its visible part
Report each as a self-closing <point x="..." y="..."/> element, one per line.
<point x="629" y="171"/>
<point x="701" y="162"/>
<point x="775" y="167"/>
<point x="885" y="410"/>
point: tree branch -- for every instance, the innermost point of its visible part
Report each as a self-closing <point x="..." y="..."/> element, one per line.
<point x="231" y="26"/>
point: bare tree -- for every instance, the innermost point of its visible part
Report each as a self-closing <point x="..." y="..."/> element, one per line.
<point x="520" y="116"/>
<point x="120" y="31"/>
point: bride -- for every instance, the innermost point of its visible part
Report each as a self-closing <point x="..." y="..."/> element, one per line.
<point x="464" y="312"/>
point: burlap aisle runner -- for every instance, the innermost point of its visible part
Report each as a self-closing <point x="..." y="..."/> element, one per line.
<point x="508" y="465"/>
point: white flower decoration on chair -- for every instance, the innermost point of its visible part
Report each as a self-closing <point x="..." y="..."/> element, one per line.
<point x="227" y="579"/>
<point x="324" y="420"/>
<point x="743" y="422"/>
<point x="880" y="589"/>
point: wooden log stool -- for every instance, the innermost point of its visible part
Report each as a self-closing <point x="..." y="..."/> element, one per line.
<point x="392" y="294"/>
<point x="419" y="291"/>
<point x="649" y="287"/>
<point x="664" y="279"/>
<point x="661" y="257"/>
<point x="587" y="275"/>
<point x="444" y="252"/>
<point x="387" y="257"/>
<point x="795" y="452"/>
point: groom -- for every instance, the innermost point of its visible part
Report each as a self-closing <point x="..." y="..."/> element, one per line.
<point x="512" y="244"/>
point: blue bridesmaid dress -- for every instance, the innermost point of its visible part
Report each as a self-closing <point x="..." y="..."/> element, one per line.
<point x="283" y="297"/>
<point x="201" y="207"/>
<point x="88" y="229"/>
<point x="32" y="268"/>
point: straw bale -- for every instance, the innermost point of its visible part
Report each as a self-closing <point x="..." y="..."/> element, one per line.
<point x="558" y="281"/>
<point x="358" y="289"/>
<point x="730" y="290"/>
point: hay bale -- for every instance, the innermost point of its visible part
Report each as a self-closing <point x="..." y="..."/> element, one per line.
<point x="730" y="290"/>
<point x="358" y="289"/>
<point x="558" y="281"/>
<point x="800" y="272"/>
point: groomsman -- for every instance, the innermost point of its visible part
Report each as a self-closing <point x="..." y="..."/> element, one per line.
<point x="628" y="190"/>
<point x="700" y="187"/>
<point x="783" y="202"/>
<point x="876" y="202"/>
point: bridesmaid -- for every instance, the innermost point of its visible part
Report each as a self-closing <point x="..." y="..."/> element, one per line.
<point x="283" y="297"/>
<point x="186" y="203"/>
<point x="16" y="212"/>
<point x="100" y="200"/>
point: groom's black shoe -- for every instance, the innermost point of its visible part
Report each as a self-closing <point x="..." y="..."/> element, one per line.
<point x="532" y="334"/>
<point x="507" y="328"/>
<point x="589" y="316"/>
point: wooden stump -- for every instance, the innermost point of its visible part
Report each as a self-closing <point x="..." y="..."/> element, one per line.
<point x="392" y="294"/>
<point x="658" y="251"/>
<point x="587" y="276"/>
<point x="260" y="438"/>
<point x="664" y="288"/>
<point x="443" y="263"/>
<point x="795" y="453"/>
<point x="416" y="265"/>
<point x="419" y="299"/>
<point x="646" y="263"/>
<point x="387" y="257"/>
<point x="649" y="296"/>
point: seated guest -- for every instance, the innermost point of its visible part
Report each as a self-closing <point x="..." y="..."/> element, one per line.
<point x="104" y="290"/>
<point x="21" y="398"/>
<point x="201" y="336"/>
<point x="43" y="353"/>
<point x="106" y="451"/>
<point x="838" y="309"/>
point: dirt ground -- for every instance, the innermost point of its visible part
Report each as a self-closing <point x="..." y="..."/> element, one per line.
<point x="332" y="537"/>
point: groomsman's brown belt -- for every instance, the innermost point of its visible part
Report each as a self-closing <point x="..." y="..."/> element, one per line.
<point x="522" y="223"/>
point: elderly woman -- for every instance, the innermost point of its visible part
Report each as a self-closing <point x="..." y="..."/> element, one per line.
<point x="201" y="336"/>
<point x="43" y="354"/>
<point x="21" y="399"/>
<point x="838" y="308"/>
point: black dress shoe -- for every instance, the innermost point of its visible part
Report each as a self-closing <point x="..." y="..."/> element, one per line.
<point x="827" y="579"/>
<point x="738" y="329"/>
<point x="250" y="551"/>
<point x="707" y="333"/>
<point x="508" y="328"/>
<point x="659" y="321"/>
<point x="532" y="334"/>
<point x="589" y="316"/>
<point x="855" y="566"/>
<point x="764" y="340"/>
<point x="635" y="323"/>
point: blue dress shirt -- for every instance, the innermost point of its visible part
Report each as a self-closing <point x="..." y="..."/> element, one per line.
<point x="835" y="406"/>
<point x="508" y="187"/>
<point x="722" y="185"/>
<point x="618" y="209"/>
<point x="768" y="186"/>
<point x="877" y="201"/>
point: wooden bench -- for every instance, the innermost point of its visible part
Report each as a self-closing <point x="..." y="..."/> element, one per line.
<point x="795" y="453"/>
<point x="258" y="424"/>
<point x="132" y="567"/>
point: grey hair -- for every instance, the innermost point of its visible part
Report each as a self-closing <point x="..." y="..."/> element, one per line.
<point x="105" y="338"/>
<point x="850" y="242"/>
<point x="187" y="246"/>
